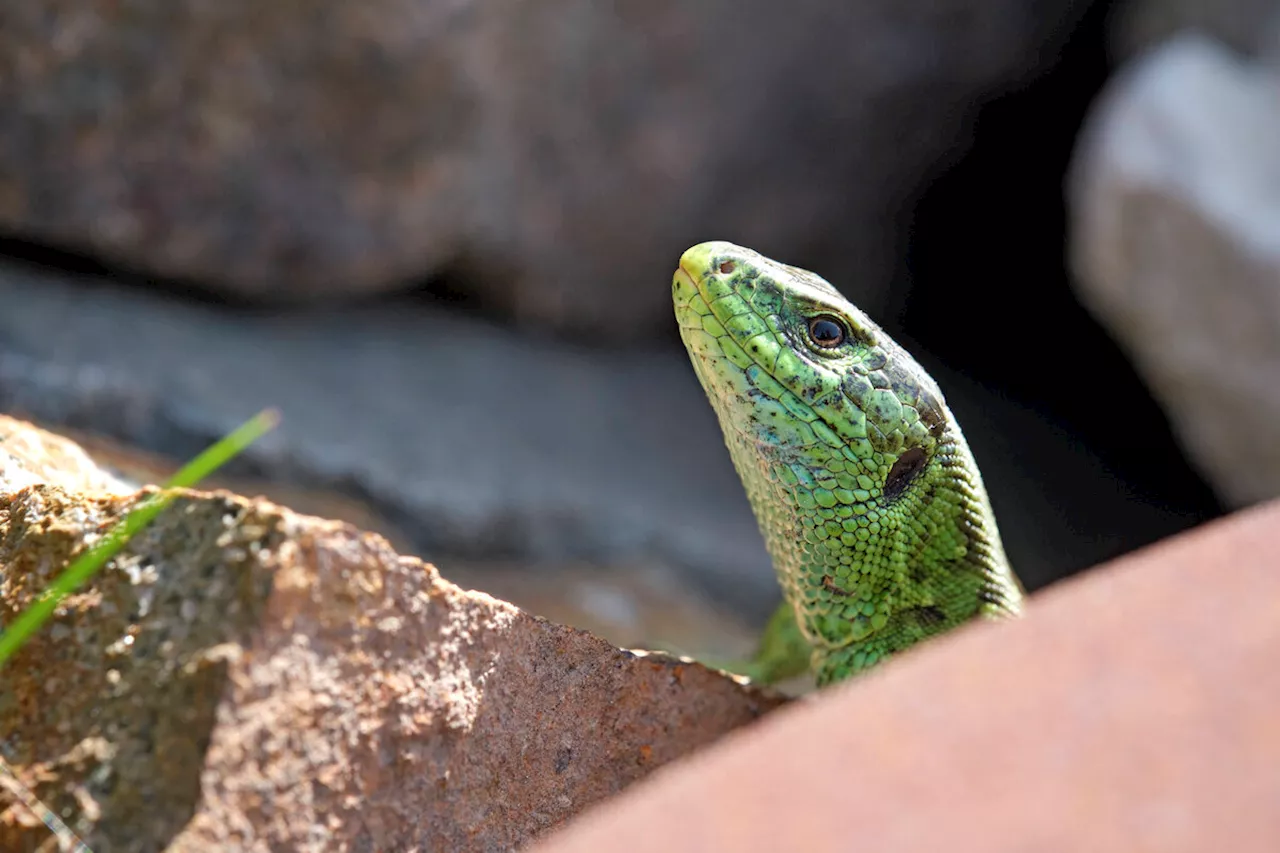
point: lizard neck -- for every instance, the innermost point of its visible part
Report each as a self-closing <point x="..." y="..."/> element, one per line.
<point x="869" y="573"/>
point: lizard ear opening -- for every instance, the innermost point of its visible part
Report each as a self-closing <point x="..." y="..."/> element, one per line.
<point x="906" y="469"/>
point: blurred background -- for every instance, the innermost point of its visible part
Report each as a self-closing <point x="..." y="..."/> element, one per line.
<point x="438" y="235"/>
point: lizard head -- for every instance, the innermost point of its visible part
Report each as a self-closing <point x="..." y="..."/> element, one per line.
<point x="792" y="366"/>
<point x="864" y="489"/>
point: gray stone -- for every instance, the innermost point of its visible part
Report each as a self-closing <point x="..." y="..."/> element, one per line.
<point x="474" y="441"/>
<point x="476" y="444"/>
<point x="1248" y="26"/>
<point x="1175" y="241"/>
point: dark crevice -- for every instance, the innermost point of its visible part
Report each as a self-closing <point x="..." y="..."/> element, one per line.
<point x="987" y="289"/>
<point x="445" y="290"/>
<point x="49" y="257"/>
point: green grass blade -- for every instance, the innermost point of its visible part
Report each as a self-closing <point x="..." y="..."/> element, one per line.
<point x="217" y="455"/>
<point x="87" y="564"/>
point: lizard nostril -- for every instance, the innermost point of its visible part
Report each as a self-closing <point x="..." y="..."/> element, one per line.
<point x="727" y="267"/>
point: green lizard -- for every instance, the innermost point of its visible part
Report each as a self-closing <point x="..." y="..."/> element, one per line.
<point x="864" y="487"/>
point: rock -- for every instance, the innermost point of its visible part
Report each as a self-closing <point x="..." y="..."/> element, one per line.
<point x="1134" y="708"/>
<point x="554" y="158"/>
<point x="474" y="442"/>
<point x="245" y="678"/>
<point x="1248" y="26"/>
<point x="467" y="444"/>
<point x="1175" y="244"/>
<point x="30" y="455"/>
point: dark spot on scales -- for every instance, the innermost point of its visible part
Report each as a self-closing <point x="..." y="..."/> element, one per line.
<point x="930" y="616"/>
<point x="876" y="359"/>
<point x="931" y="416"/>
<point x="727" y="267"/>
<point x="906" y="391"/>
<point x="988" y="595"/>
<point x="906" y="469"/>
<point x="829" y="584"/>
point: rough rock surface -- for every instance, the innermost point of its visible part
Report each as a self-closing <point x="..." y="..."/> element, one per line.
<point x="242" y="677"/>
<point x="558" y="156"/>
<point x="1175" y="241"/>
<point x="29" y="455"/>
<point x="1133" y="709"/>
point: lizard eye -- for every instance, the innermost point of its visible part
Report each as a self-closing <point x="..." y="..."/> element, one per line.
<point x="826" y="332"/>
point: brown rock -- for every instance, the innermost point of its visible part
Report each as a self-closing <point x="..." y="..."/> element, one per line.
<point x="30" y="455"/>
<point x="243" y="677"/>
<point x="561" y="154"/>
<point x="1132" y="710"/>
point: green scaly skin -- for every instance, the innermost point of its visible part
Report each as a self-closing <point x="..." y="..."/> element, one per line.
<point x="864" y="487"/>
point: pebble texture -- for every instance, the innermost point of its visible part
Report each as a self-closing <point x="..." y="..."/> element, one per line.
<point x="1132" y="710"/>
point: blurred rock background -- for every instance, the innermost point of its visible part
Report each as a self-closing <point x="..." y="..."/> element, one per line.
<point x="438" y="236"/>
